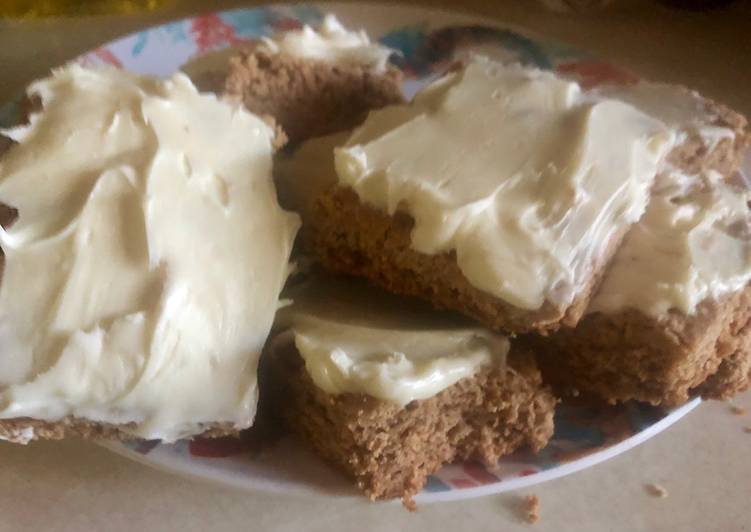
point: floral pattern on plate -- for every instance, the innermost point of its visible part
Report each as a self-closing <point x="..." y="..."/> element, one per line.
<point x="584" y="435"/>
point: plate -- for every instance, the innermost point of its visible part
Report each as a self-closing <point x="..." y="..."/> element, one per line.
<point x="428" y="42"/>
<point x="584" y="436"/>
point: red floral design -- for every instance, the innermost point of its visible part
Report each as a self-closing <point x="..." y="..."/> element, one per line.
<point x="102" y="55"/>
<point x="211" y="31"/>
<point x="462" y="483"/>
<point x="593" y="73"/>
<point x="217" y="447"/>
<point x="286" y="24"/>
<point x="108" y="57"/>
<point x="479" y="473"/>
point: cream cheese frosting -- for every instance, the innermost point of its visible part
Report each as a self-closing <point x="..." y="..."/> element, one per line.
<point x="518" y="171"/>
<point x="355" y="339"/>
<point x="693" y="243"/>
<point x="678" y="108"/>
<point x="331" y="42"/>
<point x="143" y="273"/>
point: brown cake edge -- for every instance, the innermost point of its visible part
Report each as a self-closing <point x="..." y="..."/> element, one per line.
<point x="632" y="356"/>
<point x="309" y="98"/>
<point x="24" y="430"/>
<point x="352" y="238"/>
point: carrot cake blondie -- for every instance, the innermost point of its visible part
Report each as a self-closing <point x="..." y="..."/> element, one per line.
<point x="501" y="192"/>
<point x="143" y="272"/>
<point x="389" y="390"/>
<point x="315" y="81"/>
<point x="672" y="317"/>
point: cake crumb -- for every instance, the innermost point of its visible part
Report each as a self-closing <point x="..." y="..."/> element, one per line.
<point x="657" y="490"/>
<point x="737" y="410"/>
<point x="409" y="503"/>
<point x="532" y="507"/>
<point x="747" y="429"/>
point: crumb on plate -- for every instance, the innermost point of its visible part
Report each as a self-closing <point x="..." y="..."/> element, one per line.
<point x="656" y="490"/>
<point x="532" y="508"/>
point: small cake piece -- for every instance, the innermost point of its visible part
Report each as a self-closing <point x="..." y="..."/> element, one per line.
<point x="143" y="272"/>
<point x="532" y="508"/>
<point x="315" y="82"/>
<point x="672" y="317"/>
<point x="389" y="391"/>
<point x="656" y="490"/>
<point x="500" y="192"/>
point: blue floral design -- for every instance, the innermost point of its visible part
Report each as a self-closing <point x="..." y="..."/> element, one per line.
<point x="249" y="23"/>
<point x="434" y="484"/>
<point x="254" y="23"/>
<point x="9" y="113"/>
<point x="573" y="431"/>
<point x="406" y="41"/>
<point x="174" y="30"/>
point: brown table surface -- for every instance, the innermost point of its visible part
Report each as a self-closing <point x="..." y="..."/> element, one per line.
<point x="703" y="460"/>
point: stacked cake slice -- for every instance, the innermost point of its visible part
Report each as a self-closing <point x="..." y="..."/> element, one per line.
<point x="504" y="220"/>
<point x="607" y="228"/>
<point x="671" y="317"/>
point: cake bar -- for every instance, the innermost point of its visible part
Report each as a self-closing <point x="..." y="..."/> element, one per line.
<point x="389" y="451"/>
<point x="511" y="220"/>
<point x="314" y="82"/>
<point x="111" y="318"/>
<point x="355" y="372"/>
<point x="651" y="335"/>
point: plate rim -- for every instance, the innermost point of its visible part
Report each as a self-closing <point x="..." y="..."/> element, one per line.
<point x="190" y="470"/>
<point x="178" y="465"/>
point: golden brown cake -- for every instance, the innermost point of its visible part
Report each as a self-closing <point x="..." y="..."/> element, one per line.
<point x="668" y="356"/>
<point x="315" y="81"/>
<point x="389" y="391"/>
<point x="389" y="450"/>
<point x="373" y="221"/>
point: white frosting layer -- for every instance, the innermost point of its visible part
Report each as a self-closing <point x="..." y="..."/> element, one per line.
<point x="678" y="108"/>
<point x="355" y="339"/>
<point x="143" y="274"/>
<point x="331" y="43"/>
<point x="525" y="177"/>
<point x="693" y="243"/>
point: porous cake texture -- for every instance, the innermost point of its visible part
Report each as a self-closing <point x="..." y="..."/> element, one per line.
<point x="309" y="98"/>
<point x="390" y="450"/>
<point x="629" y="355"/>
<point x="354" y="238"/>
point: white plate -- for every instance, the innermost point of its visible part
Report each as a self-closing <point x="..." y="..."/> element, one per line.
<point x="428" y="40"/>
